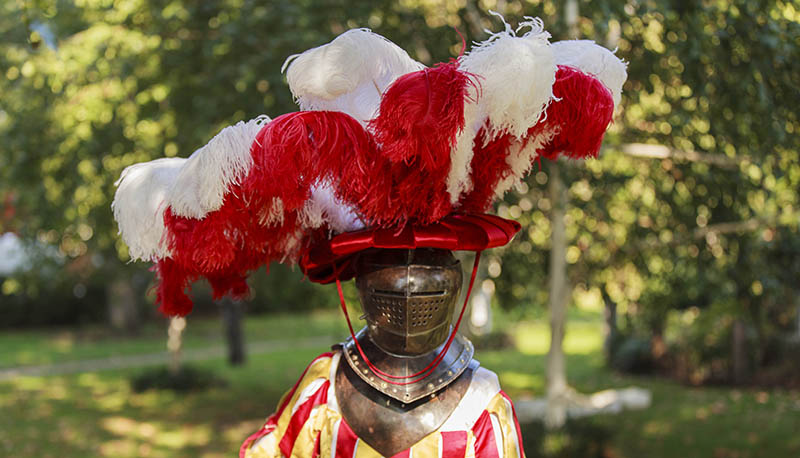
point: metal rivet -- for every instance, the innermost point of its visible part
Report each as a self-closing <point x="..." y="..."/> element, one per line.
<point x="430" y="385"/>
<point x="449" y="372"/>
<point x="365" y="372"/>
<point x="384" y="385"/>
<point x="371" y="378"/>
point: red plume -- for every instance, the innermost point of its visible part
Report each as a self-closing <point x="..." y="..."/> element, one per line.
<point x="580" y="117"/>
<point x="260" y="220"/>
<point x="420" y="116"/>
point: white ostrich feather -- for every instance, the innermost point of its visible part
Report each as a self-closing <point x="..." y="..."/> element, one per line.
<point x="349" y="74"/>
<point x="520" y="160"/>
<point x="591" y="58"/>
<point x="273" y="215"/>
<point x="290" y="246"/>
<point x="458" y="180"/>
<point x="516" y="73"/>
<point x="139" y="204"/>
<point x="324" y="208"/>
<point x="209" y="172"/>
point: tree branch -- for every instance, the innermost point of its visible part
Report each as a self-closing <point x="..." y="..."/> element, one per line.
<point x="733" y="227"/>
<point x="647" y="150"/>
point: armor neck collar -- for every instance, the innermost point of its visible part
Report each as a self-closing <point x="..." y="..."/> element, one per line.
<point x="452" y="364"/>
<point x="375" y="417"/>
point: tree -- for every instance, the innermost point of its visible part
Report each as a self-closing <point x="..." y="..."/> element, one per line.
<point x="91" y="89"/>
<point x="697" y="221"/>
<point x="706" y="232"/>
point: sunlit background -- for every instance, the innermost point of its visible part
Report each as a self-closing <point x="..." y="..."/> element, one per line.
<point x="682" y="241"/>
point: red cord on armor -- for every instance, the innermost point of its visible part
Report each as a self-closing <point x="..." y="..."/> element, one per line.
<point x="428" y="370"/>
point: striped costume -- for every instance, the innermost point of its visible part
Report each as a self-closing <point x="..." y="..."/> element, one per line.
<point x="308" y="423"/>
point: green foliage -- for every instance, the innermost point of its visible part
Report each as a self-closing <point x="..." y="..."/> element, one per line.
<point x="60" y="302"/>
<point x="633" y="356"/>
<point x="713" y="228"/>
<point x="129" y="81"/>
<point x="94" y="86"/>
<point x="581" y="437"/>
<point x="188" y="378"/>
<point x="495" y="340"/>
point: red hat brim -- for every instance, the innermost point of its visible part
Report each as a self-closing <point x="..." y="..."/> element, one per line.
<point x="455" y="232"/>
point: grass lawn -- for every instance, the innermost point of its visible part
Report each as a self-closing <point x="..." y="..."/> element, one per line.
<point x="97" y="414"/>
<point x="25" y="348"/>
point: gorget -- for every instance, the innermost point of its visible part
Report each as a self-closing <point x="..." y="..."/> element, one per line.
<point x="388" y="425"/>
<point x="452" y="365"/>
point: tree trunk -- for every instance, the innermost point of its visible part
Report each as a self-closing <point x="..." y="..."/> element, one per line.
<point x="739" y="353"/>
<point x="175" y="342"/>
<point x="571" y="18"/>
<point x="557" y="389"/>
<point x="611" y="330"/>
<point x="123" y="314"/>
<point x="480" y="310"/>
<point x="480" y="313"/>
<point x="797" y="328"/>
<point x="556" y="414"/>
<point x="232" y="320"/>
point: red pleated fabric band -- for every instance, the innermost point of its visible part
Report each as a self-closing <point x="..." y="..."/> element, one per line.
<point x="455" y="232"/>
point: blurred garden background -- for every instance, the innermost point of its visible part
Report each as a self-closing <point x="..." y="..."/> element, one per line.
<point x="681" y="242"/>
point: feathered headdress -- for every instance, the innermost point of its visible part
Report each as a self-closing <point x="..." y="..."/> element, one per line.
<point x="387" y="153"/>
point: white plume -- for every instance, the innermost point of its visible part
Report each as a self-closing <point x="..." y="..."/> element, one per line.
<point x="139" y="204"/>
<point x="458" y="180"/>
<point x="591" y="58"/>
<point x="208" y="173"/>
<point x="323" y="207"/>
<point x="516" y="74"/>
<point x="349" y="74"/>
<point x="520" y="160"/>
<point x="272" y="215"/>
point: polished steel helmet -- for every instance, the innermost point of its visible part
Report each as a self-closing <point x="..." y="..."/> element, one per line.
<point x="408" y="297"/>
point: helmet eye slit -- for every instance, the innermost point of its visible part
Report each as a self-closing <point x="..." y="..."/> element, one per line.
<point x="387" y="292"/>
<point x="384" y="292"/>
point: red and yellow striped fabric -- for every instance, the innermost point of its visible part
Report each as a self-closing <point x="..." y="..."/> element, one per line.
<point x="308" y="423"/>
